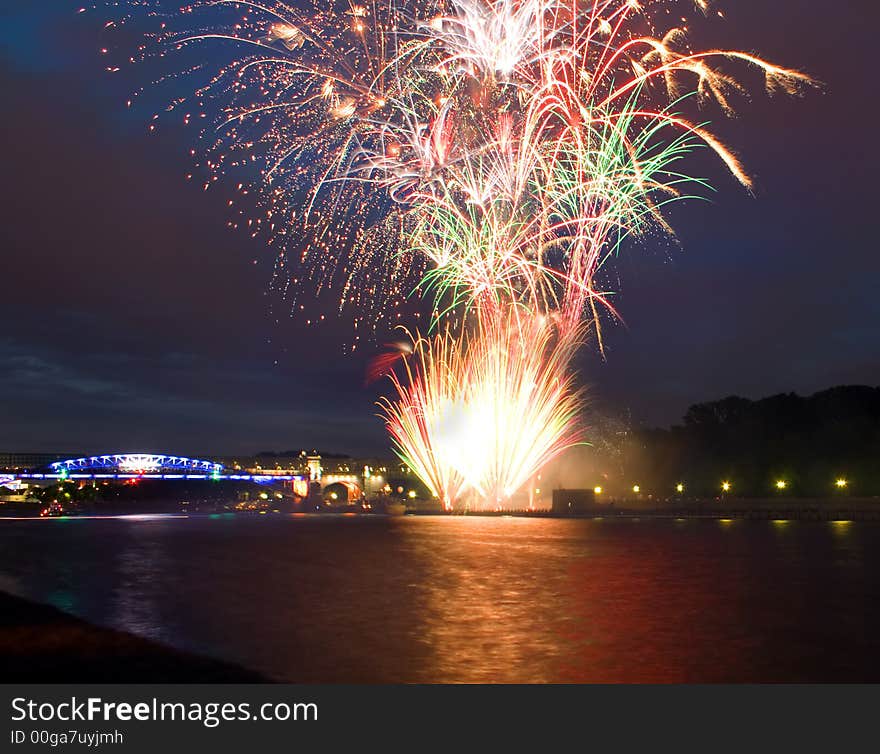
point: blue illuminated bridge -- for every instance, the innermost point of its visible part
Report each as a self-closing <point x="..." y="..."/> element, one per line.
<point x="148" y="466"/>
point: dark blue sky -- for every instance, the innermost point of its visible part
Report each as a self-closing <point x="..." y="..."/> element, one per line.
<point x="133" y="319"/>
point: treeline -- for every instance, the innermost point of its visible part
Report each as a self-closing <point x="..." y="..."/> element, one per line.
<point x="827" y="443"/>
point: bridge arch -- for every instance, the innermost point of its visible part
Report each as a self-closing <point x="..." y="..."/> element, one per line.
<point x="136" y="463"/>
<point x="341" y="490"/>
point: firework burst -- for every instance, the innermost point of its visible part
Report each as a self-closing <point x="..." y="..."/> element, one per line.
<point x="480" y="411"/>
<point x="491" y="153"/>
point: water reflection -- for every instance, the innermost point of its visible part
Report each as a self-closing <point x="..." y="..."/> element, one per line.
<point x="141" y="578"/>
<point x="474" y="599"/>
<point x="491" y="603"/>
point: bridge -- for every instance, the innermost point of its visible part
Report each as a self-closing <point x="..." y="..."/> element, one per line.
<point x="136" y="462"/>
<point x="131" y="466"/>
<point x="144" y="466"/>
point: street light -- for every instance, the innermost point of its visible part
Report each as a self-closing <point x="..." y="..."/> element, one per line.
<point x="679" y="487"/>
<point x="781" y="484"/>
<point x="725" y="486"/>
<point x="841" y="484"/>
<point x="637" y="489"/>
<point x="597" y="490"/>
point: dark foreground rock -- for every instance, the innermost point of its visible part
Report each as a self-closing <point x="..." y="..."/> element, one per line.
<point x="40" y="644"/>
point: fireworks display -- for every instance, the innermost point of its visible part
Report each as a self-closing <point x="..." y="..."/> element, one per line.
<point x="490" y="154"/>
<point x="481" y="411"/>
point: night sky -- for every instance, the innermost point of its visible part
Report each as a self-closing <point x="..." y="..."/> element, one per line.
<point x="133" y="319"/>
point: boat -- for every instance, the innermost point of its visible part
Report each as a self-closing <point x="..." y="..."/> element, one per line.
<point x="53" y="510"/>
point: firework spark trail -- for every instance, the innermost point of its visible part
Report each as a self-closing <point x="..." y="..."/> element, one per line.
<point x="491" y="153"/>
<point x="470" y="102"/>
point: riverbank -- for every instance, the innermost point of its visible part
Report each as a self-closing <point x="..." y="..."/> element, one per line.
<point x="795" y="509"/>
<point x="40" y="644"/>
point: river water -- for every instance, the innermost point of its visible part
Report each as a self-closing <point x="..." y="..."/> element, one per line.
<point x="471" y="599"/>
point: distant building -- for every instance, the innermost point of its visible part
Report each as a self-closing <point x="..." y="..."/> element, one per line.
<point x="30" y="461"/>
